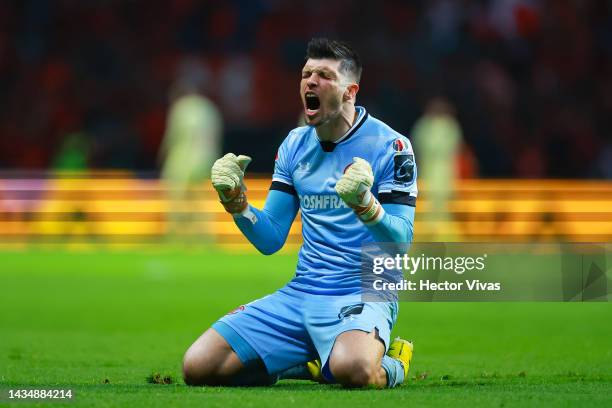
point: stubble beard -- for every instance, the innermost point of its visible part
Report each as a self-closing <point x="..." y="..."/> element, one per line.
<point x="330" y="117"/>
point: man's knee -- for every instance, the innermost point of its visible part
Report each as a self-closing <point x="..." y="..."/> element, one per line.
<point x="210" y="361"/>
<point x="198" y="370"/>
<point x="356" y="357"/>
<point x="357" y="371"/>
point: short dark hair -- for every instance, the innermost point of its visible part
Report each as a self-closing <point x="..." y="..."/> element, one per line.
<point x="337" y="50"/>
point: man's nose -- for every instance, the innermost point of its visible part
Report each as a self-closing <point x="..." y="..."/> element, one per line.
<point x="311" y="83"/>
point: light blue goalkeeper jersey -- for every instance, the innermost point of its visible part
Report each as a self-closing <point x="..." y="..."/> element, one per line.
<point x="329" y="260"/>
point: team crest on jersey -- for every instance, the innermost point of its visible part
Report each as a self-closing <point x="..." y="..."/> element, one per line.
<point x="403" y="168"/>
<point x="399" y="145"/>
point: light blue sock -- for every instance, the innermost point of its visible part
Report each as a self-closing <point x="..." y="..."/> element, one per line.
<point x="395" y="371"/>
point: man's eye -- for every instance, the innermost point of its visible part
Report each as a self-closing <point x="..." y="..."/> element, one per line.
<point x="305" y="74"/>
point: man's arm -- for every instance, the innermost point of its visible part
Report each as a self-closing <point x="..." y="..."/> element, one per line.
<point x="267" y="229"/>
<point x="388" y="223"/>
<point x="396" y="225"/>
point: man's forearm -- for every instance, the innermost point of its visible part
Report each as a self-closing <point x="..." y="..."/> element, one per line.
<point x="396" y="225"/>
<point x="267" y="229"/>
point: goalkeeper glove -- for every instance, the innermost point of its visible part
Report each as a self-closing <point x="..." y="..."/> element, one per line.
<point x="354" y="189"/>
<point x="227" y="176"/>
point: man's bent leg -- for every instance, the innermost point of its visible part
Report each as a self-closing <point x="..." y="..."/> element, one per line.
<point x="355" y="359"/>
<point x="212" y="361"/>
<point x="351" y="338"/>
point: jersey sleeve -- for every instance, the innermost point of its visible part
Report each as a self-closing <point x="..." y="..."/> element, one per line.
<point x="282" y="178"/>
<point x="397" y="173"/>
<point x="267" y="229"/>
<point x="282" y="170"/>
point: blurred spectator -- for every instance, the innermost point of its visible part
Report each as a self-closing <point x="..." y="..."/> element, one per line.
<point x="437" y="142"/>
<point x="190" y="146"/>
<point x="73" y="153"/>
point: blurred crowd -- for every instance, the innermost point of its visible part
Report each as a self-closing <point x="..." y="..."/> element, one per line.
<point x="89" y="83"/>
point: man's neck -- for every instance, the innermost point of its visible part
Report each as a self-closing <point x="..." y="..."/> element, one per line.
<point x="335" y="129"/>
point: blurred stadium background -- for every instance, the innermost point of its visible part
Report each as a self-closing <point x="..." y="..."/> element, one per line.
<point x="115" y="255"/>
<point x="87" y="87"/>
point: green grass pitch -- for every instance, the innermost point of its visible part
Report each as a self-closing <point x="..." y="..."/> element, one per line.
<point x="100" y="323"/>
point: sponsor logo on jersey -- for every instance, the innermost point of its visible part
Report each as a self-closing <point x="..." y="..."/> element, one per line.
<point x="403" y="168"/>
<point x="321" y="201"/>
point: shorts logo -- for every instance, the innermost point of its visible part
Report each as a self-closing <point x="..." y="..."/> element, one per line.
<point x="236" y="310"/>
<point x="350" y="310"/>
<point x="403" y="169"/>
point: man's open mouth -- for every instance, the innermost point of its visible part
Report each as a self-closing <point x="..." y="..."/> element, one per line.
<point x="312" y="103"/>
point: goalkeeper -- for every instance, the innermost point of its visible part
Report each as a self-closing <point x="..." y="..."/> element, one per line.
<point x="354" y="180"/>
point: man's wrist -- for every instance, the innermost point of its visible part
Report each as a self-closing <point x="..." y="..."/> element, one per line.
<point x="237" y="204"/>
<point x="371" y="213"/>
<point x="246" y="213"/>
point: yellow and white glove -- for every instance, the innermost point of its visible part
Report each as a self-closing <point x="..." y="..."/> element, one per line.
<point x="227" y="176"/>
<point x="354" y="189"/>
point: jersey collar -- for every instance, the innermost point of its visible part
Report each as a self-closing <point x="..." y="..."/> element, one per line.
<point x="362" y="116"/>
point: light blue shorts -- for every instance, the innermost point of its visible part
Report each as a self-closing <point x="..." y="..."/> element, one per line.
<point x="290" y="327"/>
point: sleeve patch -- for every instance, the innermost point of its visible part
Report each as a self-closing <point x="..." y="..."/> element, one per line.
<point x="403" y="168"/>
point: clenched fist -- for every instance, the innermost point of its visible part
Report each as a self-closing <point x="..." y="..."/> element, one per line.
<point x="227" y="177"/>
<point x="354" y="189"/>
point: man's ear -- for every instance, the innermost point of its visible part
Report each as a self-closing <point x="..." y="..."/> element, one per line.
<point x="350" y="92"/>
